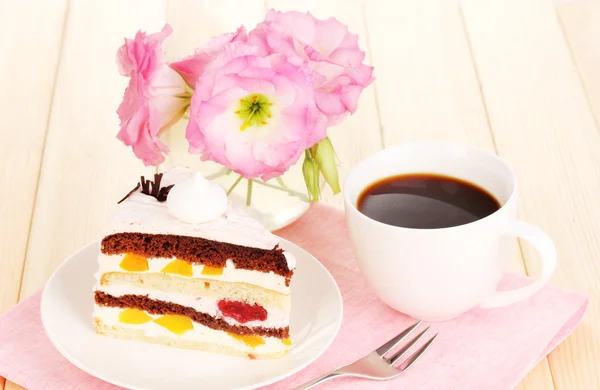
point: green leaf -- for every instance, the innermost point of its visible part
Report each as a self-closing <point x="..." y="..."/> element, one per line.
<point x="325" y="158"/>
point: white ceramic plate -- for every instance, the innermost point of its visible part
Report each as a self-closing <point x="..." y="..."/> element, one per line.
<point x="67" y="305"/>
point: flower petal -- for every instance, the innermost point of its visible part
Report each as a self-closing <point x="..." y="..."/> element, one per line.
<point x="329" y="50"/>
<point x="329" y="35"/>
<point x="154" y="99"/>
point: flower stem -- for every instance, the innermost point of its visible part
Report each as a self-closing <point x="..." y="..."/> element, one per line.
<point x="230" y="190"/>
<point x="281" y="183"/>
<point x="249" y="193"/>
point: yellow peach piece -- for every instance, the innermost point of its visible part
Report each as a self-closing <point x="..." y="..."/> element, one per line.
<point x="287" y="341"/>
<point x="250" y="340"/>
<point x="134" y="263"/>
<point x="212" y="271"/>
<point x="175" y="323"/>
<point x="178" y="267"/>
<point x="134" y="317"/>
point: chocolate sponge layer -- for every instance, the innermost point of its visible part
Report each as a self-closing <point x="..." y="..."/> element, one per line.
<point x="198" y="251"/>
<point x="157" y="307"/>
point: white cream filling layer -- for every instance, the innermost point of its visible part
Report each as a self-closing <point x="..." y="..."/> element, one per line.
<point x="200" y="333"/>
<point x="276" y="318"/>
<point x="270" y="281"/>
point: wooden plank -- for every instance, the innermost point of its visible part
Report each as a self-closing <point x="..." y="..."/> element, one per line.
<point x="26" y="96"/>
<point x="581" y="24"/>
<point x="85" y="169"/>
<point x="543" y="126"/>
<point x="359" y="135"/>
<point x="40" y="28"/>
<point x="40" y="31"/>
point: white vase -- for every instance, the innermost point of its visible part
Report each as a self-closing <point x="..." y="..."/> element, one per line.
<point x="275" y="203"/>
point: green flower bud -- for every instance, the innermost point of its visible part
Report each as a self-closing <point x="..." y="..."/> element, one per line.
<point x="325" y="158"/>
<point x="310" y="170"/>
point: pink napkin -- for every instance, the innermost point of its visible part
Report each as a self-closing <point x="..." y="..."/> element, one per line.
<point x="483" y="349"/>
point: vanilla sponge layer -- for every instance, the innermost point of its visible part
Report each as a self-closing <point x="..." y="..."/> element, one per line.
<point x="276" y="318"/>
<point x="270" y="281"/>
<point x="198" y="288"/>
<point x="106" y="320"/>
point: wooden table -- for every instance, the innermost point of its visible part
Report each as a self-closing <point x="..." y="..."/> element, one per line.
<point x="521" y="78"/>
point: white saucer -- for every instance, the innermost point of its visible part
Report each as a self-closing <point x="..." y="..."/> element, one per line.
<point x="67" y="305"/>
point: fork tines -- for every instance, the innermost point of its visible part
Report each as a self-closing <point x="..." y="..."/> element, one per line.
<point x="387" y="347"/>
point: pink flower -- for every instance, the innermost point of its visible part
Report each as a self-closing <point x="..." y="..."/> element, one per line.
<point x="330" y="51"/>
<point x="192" y="67"/>
<point x="254" y="115"/>
<point x="155" y="99"/>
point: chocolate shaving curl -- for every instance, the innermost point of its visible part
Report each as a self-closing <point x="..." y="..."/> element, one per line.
<point x="151" y="188"/>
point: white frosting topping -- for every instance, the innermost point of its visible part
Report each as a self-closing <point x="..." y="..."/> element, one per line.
<point x="144" y="214"/>
<point x="290" y="259"/>
<point x="200" y="333"/>
<point x="197" y="200"/>
<point x="270" y="281"/>
<point x="276" y="318"/>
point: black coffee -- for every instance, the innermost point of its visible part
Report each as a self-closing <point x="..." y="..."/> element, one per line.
<point x="425" y="201"/>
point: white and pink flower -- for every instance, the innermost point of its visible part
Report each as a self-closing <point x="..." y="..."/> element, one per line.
<point x="254" y="115"/>
<point x="261" y="99"/>
<point x="155" y="99"/>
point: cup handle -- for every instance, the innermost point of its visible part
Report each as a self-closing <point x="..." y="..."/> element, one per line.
<point x="545" y="247"/>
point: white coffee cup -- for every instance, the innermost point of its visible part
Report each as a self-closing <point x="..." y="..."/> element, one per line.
<point x="438" y="274"/>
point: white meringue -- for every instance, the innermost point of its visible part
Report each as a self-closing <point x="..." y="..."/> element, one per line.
<point x="197" y="200"/>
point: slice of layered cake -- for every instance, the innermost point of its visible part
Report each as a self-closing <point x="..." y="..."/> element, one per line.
<point x="181" y="266"/>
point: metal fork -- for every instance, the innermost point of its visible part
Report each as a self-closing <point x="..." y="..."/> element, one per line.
<point x="376" y="365"/>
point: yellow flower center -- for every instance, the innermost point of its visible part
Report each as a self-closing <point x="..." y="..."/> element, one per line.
<point x="255" y="110"/>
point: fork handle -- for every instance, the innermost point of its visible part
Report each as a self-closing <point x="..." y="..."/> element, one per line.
<point x="320" y="379"/>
